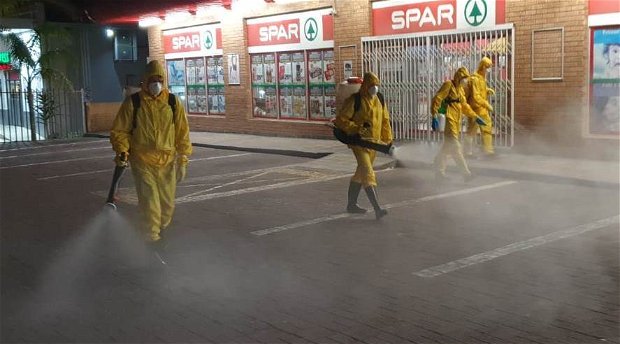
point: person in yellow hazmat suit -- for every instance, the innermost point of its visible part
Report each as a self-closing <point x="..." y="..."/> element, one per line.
<point x="371" y="120"/>
<point x="453" y="94"/>
<point x="151" y="128"/>
<point x="478" y="94"/>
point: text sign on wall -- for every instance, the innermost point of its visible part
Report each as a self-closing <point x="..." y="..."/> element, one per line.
<point x="298" y="31"/>
<point x="204" y="40"/>
<point x="393" y="17"/>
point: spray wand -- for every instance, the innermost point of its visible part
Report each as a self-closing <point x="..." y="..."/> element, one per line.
<point x="121" y="165"/>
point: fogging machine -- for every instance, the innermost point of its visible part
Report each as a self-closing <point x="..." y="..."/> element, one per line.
<point x="116" y="180"/>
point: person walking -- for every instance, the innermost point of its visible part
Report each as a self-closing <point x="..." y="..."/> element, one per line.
<point x="365" y="114"/>
<point x="452" y="95"/>
<point x="152" y="130"/>
<point x="478" y="93"/>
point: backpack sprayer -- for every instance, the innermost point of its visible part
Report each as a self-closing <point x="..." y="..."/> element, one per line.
<point x="116" y="180"/>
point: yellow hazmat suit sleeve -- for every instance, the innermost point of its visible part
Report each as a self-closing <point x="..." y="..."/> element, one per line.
<point x="386" y="127"/>
<point x="479" y="93"/>
<point x="440" y="96"/>
<point x="182" y="144"/>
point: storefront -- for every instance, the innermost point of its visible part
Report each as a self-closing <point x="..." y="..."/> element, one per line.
<point x="272" y="67"/>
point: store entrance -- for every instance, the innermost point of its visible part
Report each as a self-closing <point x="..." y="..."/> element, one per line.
<point x="413" y="67"/>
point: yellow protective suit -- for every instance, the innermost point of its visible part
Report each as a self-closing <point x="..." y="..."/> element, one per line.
<point x="378" y="129"/>
<point x="452" y="91"/>
<point x="478" y="93"/>
<point x="159" y="138"/>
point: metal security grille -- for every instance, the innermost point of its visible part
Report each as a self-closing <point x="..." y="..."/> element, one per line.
<point x="413" y="67"/>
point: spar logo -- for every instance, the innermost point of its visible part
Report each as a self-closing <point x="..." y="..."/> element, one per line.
<point x="311" y="29"/>
<point x="475" y="12"/>
<point x="208" y="42"/>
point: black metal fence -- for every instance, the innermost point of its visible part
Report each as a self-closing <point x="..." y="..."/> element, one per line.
<point x="57" y="115"/>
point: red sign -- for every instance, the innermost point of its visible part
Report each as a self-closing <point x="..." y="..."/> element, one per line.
<point x="280" y="32"/>
<point x="182" y="42"/>
<point x="415" y="17"/>
<point x="603" y="7"/>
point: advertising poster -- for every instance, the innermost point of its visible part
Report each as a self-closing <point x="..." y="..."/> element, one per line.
<point x="200" y="71"/>
<point x="605" y="109"/>
<point x="269" y="65"/>
<point x="286" y="102"/>
<point x="347" y="67"/>
<point x="316" y="103"/>
<point x="330" y="67"/>
<point x="221" y="101"/>
<point x="211" y="71"/>
<point x="176" y="72"/>
<point x="220" y="70"/>
<point x="285" y="75"/>
<point x="299" y="102"/>
<point x="192" y="103"/>
<point x="271" y="102"/>
<point x="201" y="98"/>
<point x="190" y="71"/>
<point x="213" y="101"/>
<point x="606" y="54"/>
<point x="233" y="69"/>
<point x="315" y="67"/>
<point x="299" y="63"/>
<point x="330" y="101"/>
<point x="258" y="74"/>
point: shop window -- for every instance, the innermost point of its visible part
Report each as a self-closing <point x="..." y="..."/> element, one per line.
<point x="294" y="85"/>
<point x="199" y="83"/>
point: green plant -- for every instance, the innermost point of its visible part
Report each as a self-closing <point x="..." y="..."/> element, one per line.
<point x="47" y="109"/>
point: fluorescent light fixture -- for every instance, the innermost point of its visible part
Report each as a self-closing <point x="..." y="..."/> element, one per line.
<point x="109" y="33"/>
<point x="210" y="10"/>
<point x="149" y="21"/>
<point x="177" y="16"/>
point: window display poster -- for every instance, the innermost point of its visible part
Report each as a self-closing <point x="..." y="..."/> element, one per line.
<point x="315" y="67"/>
<point x="605" y="109"/>
<point x="347" y="67"/>
<point x="606" y="54"/>
<point x="271" y="102"/>
<point x="330" y="67"/>
<point x="211" y="71"/>
<point x="269" y="65"/>
<point x="285" y="75"/>
<point x="201" y="99"/>
<point x="316" y="103"/>
<point x="233" y="69"/>
<point x="299" y="63"/>
<point x="258" y="93"/>
<point x="220" y="70"/>
<point x="221" y="100"/>
<point x="213" y="101"/>
<point x="258" y="72"/>
<point x="192" y="101"/>
<point x="200" y="71"/>
<point x="286" y="105"/>
<point x="190" y="71"/>
<point x="176" y="72"/>
<point x="330" y="101"/>
<point x="299" y="102"/>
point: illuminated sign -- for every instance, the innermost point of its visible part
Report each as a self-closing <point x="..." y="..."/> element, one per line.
<point x="5" y="60"/>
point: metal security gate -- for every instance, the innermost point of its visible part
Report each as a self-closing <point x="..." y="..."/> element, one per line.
<point x="59" y="115"/>
<point x="413" y="67"/>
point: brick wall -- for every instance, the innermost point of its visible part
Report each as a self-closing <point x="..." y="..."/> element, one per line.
<point x="551" y="111"/>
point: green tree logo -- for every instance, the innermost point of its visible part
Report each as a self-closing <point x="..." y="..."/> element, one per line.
<point x="311" y="29"/>
<point x="473" y="14"/>
<point x="208" y="39"/>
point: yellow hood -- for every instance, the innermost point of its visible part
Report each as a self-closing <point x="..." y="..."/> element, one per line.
<point x="370" y="79"/>
<point x="153" y="68"/>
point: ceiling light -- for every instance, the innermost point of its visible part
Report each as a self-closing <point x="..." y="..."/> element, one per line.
<point x="109" y="33"/>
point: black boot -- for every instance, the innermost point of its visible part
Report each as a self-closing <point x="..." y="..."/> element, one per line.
<point x="372" y="196"/>
<point x="354" y="191"/>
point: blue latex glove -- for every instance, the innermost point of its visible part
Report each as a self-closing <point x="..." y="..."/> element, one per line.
<point x="480" y="121"/>
<point x="435" y="123"/>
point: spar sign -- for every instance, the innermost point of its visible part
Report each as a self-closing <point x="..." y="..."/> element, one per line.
<point x="203" y="40"/>
<point x="393" y="17"/>
<point x="296" y="31"/>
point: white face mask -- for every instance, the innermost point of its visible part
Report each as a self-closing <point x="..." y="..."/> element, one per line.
<point x="155" y="88"/>
<point x="373" y="90"/>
